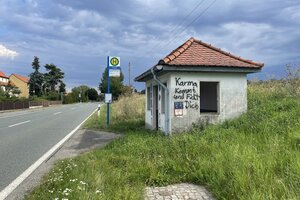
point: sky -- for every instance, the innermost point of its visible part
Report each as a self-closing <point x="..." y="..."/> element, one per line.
<point x="77" y="35"/>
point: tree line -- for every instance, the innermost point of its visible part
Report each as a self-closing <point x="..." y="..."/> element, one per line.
<point x="50" y="84"/>
<point x="81" y="93"/>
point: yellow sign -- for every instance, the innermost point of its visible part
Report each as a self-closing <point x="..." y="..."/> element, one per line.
<point x="114" y="61"/>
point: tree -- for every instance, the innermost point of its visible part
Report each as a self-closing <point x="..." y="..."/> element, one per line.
<point x="80" y="93"/>
<point x="10" y="92"/>
<point x="92" y="94"/>
<point x="36" y="79"/>
<point x="116" y="84"/>
<point x="62" y="87"/>
<point x="53" y="77"/>
<point x="2" y="95"/>
<point x="127" y="90"/>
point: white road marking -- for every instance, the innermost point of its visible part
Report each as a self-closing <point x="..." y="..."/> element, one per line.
<point x="72" y="108"/>
<point x="13" y="185"/>
<point x="57" y="113"/>
<point x="19" y="123"/>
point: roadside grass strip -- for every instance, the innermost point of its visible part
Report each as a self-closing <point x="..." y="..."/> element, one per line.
<point x="256" y="156"/>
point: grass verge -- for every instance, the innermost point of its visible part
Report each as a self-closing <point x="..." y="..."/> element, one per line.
<point x="256" y="156"/>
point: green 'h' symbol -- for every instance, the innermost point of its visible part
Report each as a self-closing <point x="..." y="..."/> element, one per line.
<point x="114" y="61"/>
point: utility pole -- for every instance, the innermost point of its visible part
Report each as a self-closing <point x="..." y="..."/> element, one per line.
<point x="129" y="82"/>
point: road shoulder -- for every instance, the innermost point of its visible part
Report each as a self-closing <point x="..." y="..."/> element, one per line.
<point x="82" y="141"/>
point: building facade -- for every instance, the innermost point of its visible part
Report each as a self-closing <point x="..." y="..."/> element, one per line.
<point x="3" y="81"/>
<point x="195" y="84"/>
<point x="21" y="82"/>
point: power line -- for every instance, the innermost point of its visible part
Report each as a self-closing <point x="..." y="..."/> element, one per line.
<point x="181" y="22"/>
<point x="194" y="20"/>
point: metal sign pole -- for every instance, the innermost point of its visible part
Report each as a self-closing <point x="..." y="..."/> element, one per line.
<point x="108" y="91"/>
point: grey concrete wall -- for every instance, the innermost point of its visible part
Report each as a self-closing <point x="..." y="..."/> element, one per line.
<point x="185" y="87"/>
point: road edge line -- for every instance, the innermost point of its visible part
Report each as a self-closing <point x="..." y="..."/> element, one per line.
<point x="15" y="183"/>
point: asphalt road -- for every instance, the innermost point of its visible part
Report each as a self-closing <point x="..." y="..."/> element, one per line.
<point x="27" y="135"/>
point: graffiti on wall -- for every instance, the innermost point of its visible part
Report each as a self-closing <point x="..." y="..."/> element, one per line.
<point x="187" y="92"/>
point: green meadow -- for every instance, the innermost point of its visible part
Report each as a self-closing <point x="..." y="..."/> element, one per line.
<point x="256" y="156"/>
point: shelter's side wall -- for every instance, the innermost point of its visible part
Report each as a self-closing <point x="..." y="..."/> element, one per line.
<point x="185" y="91"/>
<point x="234" y="96"/>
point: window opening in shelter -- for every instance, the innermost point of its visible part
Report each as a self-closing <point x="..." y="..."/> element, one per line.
<point x="209" y="97"/>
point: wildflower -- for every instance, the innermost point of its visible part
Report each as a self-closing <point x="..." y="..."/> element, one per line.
<point x="66" y="191"/>
<point x="83" y="183"/>
<point x="98" y="192"/>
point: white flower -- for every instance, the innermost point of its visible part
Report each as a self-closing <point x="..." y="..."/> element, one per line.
<point x="83" y="183"/>
<point x="98" y="192"/>
<point x="67" y="191"/>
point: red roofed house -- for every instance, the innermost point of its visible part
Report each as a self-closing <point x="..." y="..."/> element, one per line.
<point x="3" y="81"/>
<point x="22" y="83"/>
<point x="196" y="83"/>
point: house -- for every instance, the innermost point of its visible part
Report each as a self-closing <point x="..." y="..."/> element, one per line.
<point x="195" y="84"/>
<point x="22" y="83"/>
<point x="3" y="81"/>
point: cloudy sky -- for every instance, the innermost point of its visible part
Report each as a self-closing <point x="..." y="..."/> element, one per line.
<point x="77" y="35"/>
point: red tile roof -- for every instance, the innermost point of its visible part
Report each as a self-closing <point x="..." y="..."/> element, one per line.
<point x="197" y="53"/>
<point x="3" y="75"/>
<point x="22" y="78"/>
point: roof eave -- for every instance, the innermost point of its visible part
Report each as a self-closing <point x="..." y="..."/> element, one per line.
<point x="182" y="68"/>
<point x="143" y="76"/>
<point x="204" y="68"/>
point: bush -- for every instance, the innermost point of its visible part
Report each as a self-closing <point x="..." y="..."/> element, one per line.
<point x="69" y="98"/>
<point x="53" y="96"/>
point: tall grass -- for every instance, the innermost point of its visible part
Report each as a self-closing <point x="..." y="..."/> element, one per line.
<point x="129" y="107"/>
<point x="256" y="156"/>
<point x="127" y="114"/>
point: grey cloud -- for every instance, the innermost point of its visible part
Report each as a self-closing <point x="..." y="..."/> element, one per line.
<point x="77" y="35"/>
